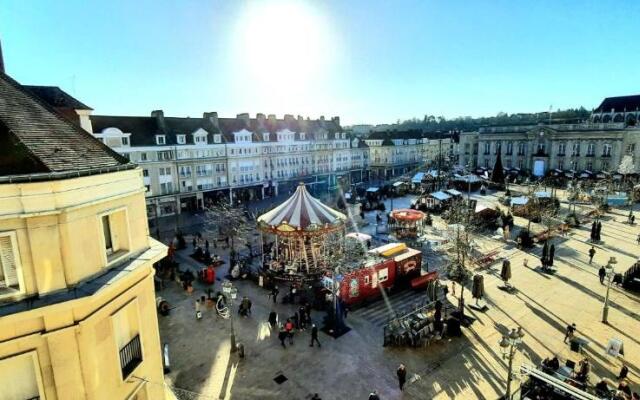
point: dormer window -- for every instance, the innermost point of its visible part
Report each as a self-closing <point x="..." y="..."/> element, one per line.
<point x="302" y="134"/>
<point x="265" y="136"/>
<point x="125" y="141"/>
<point x="182" y="139"/>
<point x="200" y="139"/>
<point x="217" y="138"/>
<point x="160" y="140"/>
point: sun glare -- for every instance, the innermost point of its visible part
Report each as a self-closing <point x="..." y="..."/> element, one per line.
<point x="282" y="44"/>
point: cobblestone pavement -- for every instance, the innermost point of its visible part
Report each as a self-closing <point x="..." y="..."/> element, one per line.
<point x="469" y="367"/>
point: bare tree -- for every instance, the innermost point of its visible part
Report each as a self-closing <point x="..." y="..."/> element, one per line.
<point x="223" y="222"/>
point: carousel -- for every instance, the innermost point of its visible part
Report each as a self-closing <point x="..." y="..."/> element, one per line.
<point x="300" y="236"/>
<point x="406" y="223"/>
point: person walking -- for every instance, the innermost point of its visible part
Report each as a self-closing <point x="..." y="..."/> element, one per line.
<point x="314" y="336"/>
<point x="374" y="395"/>
<point x="302" y="318"/>
<point x="592" y="252"/>
<point x="402" y="376"/>
<point x="274" y="293"/>
<point x="602" y="272"/>
<point x="273" y="319"/>
<point x="288" y="326"/>
<point x="307" y="311"/>
<point x="624" y="371"/>
<point x="282" y="335"/>
<point x="570" y="331"/>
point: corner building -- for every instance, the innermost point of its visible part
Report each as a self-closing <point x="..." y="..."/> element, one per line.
<point x="77" y="301"/>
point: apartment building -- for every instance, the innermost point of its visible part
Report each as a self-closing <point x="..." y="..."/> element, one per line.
<point x="188" y="162"/>
<point x="77" y="301"/>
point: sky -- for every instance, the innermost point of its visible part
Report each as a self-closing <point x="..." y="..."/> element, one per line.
<point x="365" y="61"/>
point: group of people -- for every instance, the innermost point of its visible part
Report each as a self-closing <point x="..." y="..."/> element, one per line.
<point x="300" y="320"/>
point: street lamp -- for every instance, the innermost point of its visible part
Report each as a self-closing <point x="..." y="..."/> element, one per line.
<point x="508" y="346"/>
<point x="611" y="272"/>
<point x="230" y="292"/>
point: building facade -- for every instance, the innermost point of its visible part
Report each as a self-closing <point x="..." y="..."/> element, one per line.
<point x="77" y="301"/>
<point x="539" y="149"/>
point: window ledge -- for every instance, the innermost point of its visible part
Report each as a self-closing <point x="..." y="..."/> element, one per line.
<point x="116" y="256"/>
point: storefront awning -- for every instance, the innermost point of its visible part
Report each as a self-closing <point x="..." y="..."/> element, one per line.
<point x="373" y="189"/>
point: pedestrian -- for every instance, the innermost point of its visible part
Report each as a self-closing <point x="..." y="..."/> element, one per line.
<point x="598" y="231"/>
<point x="453" y="288"/>
<point x="288" y="326"/>
<point x="198" y="309"/>
<point x="445" y="291"/>
<point x="307" y="311"/>
<point x="525" y="262"/>
<point x="314" y="336"/>
<point x="206" y="244"/>
<point x="302" y="318"/>
<point x="374" y="395"/>
<point x="592" y="252"/>
<point x="274" y="293"/>
<point x="602" y="273"/>
<point x="402" y="376"/>
<point x="295" y="320"/>
<point x="624" y="371"/>
<point x="273" y="319"/>
<point x="569" y="332"/>
<point x="194" y="243"/>
<point x="282" y="335"/>
<point x="633" y="219"/>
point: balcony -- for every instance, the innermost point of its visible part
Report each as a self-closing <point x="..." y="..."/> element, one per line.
<point x="130" y="356"/>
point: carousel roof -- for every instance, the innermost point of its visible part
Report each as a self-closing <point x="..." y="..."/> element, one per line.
<point x="301" y="212"/>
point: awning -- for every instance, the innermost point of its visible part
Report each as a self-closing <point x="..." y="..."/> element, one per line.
<point x="373" y="189"/>
<point x="417" y="178"/>
<point x="433" y="173"/>
<point x="558" y="384"/>
<point x="519" y="201"/>
<point x="454" y="192"/>
<point x="442" y="196"/>
<point x="468" y="179"/>
<point x="543" y="195"/>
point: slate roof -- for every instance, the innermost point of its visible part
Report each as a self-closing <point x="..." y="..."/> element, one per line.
<point x="56" y="97"/>
<point x="35" y="139"/>
<point x="619" y="104"/>
<point x="144" y="129"/>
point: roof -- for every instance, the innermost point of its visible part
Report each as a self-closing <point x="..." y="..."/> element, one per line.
<point x="56" y="97"/>
<point x="301" y="211"/>
<point x="37" y="140"/>
<point x="440" y="196"/>
<point x="454" y="192"/>
<point x="143" y="129"/>
<point x="417" y="178"/>
<point x="519" y="201"/>
<point x="619" y="104"/>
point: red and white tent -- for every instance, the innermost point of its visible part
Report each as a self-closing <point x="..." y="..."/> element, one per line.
<point x="302" y="213"/>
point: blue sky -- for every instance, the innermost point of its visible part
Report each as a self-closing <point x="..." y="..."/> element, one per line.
<point x="366" y="61"/>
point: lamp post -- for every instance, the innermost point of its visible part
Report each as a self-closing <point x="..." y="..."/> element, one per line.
<point x="508" y="346"/>
<point x="610" y="272"/>
<point x="231" y="292"/>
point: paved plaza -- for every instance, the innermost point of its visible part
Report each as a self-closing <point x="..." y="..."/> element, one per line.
<point x="467" y="367"/>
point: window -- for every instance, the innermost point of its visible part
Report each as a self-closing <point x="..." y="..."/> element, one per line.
<point x="166" y="188"/>
<point x="589" y="165"/>
<point x="605" y="165"/>
<point x="561" y="149"/>
<point x="114" y="234"/>
<point x="522" y="148"/>
<point x="217" y="138"/>
<point x="509" y="148"/>
<point x="591" y="149"/>
<point x="201" y="139"/>
<point x="561" y="164"/>
<point x="606" y="150"/>
<point x="541" y="148"/>
<point x="182" y="139"/>
<point x="164" y="155"/>
<point x="125" y="141"/>
<point x="487" y="148"/>
<point x="126" y="328"/>
<point x="20" y="377"/>
<point x="160" y="140"/>
<point x="521" y="164"/>
<point x="486" y="163"/>
<point x="145" y="172"/>
<point x="143" y="156"/>
<point x="383" y="274"/>
<point x="631" y="148"/>
<point x="10" y="270"/>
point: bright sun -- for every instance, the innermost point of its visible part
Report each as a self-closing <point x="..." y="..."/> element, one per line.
<point x="282" y="43"/>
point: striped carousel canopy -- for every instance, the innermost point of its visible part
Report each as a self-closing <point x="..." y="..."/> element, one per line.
<point x="302" y="212"/>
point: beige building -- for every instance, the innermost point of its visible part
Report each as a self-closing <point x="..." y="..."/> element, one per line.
<point x="77" y="302"/>
<point x="540" y="149"/>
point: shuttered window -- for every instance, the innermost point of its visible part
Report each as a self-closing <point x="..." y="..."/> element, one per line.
<point x="8" y="263"/>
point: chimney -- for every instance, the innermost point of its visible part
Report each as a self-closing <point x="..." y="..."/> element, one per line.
<point x="322" y="118"/>
<point x="1" y="59"/>
<point x="244" y="117"/>
<point x="212" y="117"/>
<point x="159" y="116"/>
<point x="272" y="118"/>
<point x="261" y="119"/>
<point x="288" y="118"/>
<point x="300" y="119"/>
<point x="336" y="120"/>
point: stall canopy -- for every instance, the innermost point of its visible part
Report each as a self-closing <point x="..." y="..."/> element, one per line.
<point x="454" y="192"/>
<point x="373" y="189"/>
<point x="362" y="237"/>
<point x="434" y="173"/>
<point x="396" y="184"/>
<point x="543" y="195"/>
<point x="417" y="178"/>
<point x="441" y="196"/>
<point x="519" y="201"/>
<point x="300" y="212"/>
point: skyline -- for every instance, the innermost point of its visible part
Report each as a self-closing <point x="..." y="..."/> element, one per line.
<point x="369" y="63"/>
